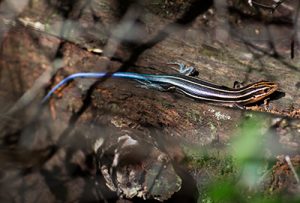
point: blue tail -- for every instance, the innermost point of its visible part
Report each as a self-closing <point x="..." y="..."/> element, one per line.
<point x="135" y="76"/>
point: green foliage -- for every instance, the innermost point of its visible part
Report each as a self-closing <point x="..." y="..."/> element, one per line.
<point x="237" y="173"/>
<point x="248" y="149"/>
<point x="248" y="144"/>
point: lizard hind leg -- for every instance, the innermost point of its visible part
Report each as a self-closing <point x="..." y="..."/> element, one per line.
<point x="186" y="70"/>
<point x="151" y="85"/>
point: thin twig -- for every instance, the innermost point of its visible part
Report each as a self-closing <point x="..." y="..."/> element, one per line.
<point x="288" y="161"/>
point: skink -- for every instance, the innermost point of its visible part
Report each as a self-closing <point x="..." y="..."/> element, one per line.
<point x="190" y="86"/>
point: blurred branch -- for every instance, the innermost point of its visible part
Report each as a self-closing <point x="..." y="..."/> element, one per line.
<point x="272" y="7"/>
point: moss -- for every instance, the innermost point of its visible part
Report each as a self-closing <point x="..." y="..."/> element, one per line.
<point x="216" y="161"/>
<point x="195" y="116"/>
<point x="166" y="9"/>
<point x="165" y="103"/>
